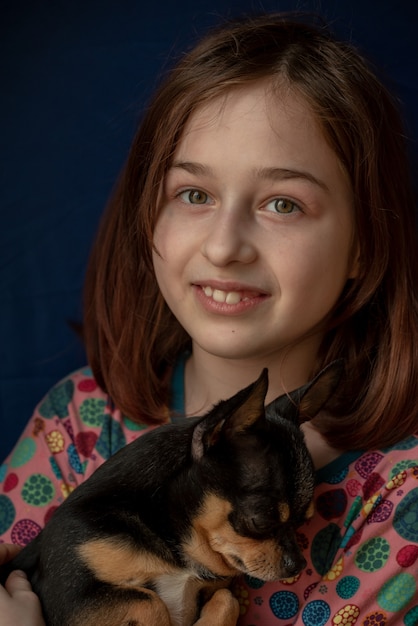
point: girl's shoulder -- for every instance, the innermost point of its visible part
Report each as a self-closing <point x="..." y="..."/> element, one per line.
<point x="363" y="467"/>
<point x="96" y="426"/>
<point x="73" y="430"/>
<point x="372" y="484"/>
<point x="71" y="396"/>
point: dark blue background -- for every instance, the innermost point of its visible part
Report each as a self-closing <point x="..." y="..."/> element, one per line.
<point x="75" y="76"/>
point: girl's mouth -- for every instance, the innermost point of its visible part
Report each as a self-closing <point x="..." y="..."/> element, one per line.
<point x="230" y="299"/>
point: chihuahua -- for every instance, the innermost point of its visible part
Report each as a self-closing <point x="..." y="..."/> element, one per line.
<point x="173" y="516"/>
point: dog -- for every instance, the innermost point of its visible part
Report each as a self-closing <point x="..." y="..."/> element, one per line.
<point x="174" y="516"/>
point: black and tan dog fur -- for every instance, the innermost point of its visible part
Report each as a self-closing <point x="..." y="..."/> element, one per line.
<point x="177" y="513"/>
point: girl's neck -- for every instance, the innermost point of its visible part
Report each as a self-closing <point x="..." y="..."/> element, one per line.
<point x="322" y="453"/>
<point x="209" y="378"/>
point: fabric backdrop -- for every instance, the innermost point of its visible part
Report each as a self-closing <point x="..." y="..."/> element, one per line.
<point x="74" y="78"/>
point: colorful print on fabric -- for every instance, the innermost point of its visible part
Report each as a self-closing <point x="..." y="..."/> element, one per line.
<point x="361" y="546"/>
<point x="73" y="431"/>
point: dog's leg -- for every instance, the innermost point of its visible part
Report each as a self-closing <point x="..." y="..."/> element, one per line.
<point x="150" y="611"/>
<point x="222" y="609"/>
<point x="153" y="612"/>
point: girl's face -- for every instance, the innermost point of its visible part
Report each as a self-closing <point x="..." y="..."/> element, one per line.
<point x="255" y="232"/>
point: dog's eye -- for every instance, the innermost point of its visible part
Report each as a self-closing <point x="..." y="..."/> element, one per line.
<point x="261" y="526"/>
<point x="256" y="516"/>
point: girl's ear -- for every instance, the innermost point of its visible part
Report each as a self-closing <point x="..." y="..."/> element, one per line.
<point x="304" y="403"/>
<point x="231" y="417"/>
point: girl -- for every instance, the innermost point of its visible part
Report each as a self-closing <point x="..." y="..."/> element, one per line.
<point x="264" y="218"/>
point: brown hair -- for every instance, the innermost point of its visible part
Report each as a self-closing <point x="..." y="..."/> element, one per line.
<point x="131" y="336"/>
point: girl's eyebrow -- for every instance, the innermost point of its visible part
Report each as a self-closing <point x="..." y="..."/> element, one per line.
<point x="280" y="173"/>
<point x="193" y="168"/>
<point x="266" y="173"/>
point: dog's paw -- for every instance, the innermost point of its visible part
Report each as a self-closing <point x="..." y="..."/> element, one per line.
<point x="222" y="609"/>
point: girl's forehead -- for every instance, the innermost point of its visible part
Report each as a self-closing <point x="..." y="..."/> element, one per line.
<point x="254" y="102"/>
<point x="258" y="115"/>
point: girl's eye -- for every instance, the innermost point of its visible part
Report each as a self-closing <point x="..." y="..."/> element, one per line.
<point x="194" y="196"/>
<point x="282" y="205"/>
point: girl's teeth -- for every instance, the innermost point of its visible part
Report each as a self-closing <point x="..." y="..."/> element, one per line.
<point x="208" y="291"/>
<point x="219" y="296"/>
<point x="231" y="297"/>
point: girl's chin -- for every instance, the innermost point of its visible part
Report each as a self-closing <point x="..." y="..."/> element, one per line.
<point x="236" y="344"/>
<point x="230" y="348"/>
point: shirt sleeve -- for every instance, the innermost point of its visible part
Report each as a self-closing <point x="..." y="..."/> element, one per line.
<point x="72" y="431"/>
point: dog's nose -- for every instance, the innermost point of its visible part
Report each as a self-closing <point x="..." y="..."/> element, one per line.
<point x="292" y="566"/>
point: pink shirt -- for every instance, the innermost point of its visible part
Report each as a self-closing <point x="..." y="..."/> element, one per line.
<point x="361" y="546"/>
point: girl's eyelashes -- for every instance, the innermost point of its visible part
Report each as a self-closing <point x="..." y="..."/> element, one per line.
<point x="194" y="196"/>
<point x="283" y="206"/>
<point x="279" y="205"/>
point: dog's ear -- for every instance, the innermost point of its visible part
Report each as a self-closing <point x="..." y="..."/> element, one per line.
<point x="304" y="403"/>
<point x="231" y="417"/>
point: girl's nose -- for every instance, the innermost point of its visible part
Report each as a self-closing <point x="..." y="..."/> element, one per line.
<point x="229" y="239"/>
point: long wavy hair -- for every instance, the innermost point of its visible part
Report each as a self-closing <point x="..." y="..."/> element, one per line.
<point x="133" y="339"/>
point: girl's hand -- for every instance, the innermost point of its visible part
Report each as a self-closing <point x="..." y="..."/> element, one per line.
<point x="8" y="551"/>
<point x="222" y="609"/>
<point x="19" y="605"/>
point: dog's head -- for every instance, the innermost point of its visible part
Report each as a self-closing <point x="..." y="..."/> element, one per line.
<point x="260" y="480"/>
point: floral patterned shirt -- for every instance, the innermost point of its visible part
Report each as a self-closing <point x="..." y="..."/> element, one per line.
<point x="361" y="546"/>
